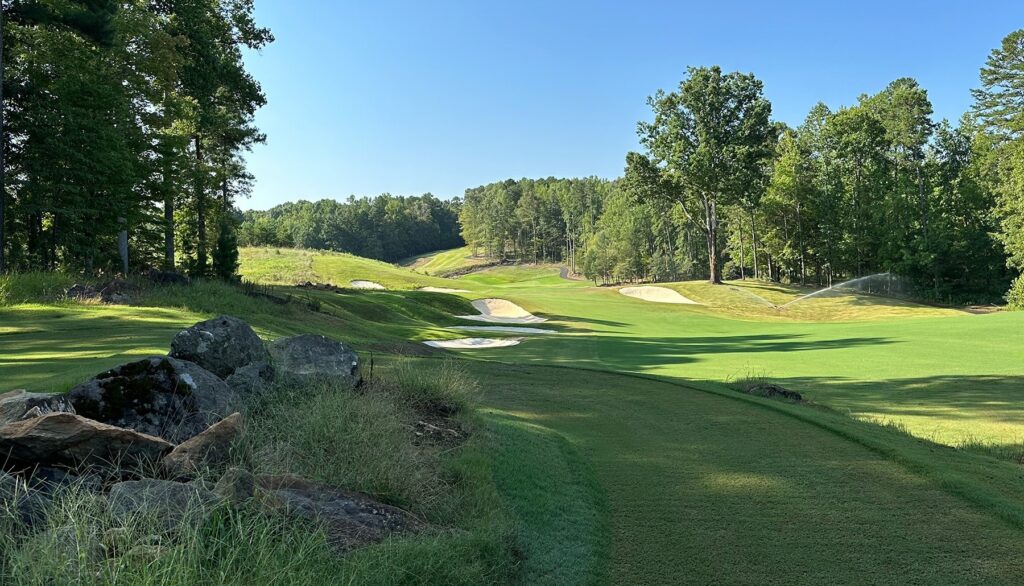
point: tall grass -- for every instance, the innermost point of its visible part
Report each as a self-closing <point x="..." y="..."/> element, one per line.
<point x="358" y="440"/>
<point x="35" y="287"/>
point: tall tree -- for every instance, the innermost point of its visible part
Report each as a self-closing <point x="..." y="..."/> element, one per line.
<point x="999" y="106"/>
<point x="708" y="141"/>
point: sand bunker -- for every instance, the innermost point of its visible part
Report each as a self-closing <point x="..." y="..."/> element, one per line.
<point x="442" y="290"/>
<point x="504" y="329"/>
<point x="367" y="285"/>
<point x="656" y="294"/>
<point x="465" y="343"/>
<point x="502" y="311"/>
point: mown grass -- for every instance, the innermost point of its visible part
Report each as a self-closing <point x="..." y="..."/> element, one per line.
<point x="710" y="486"/>
<point x="445" y="262"/>
<point x="288" y="266"/>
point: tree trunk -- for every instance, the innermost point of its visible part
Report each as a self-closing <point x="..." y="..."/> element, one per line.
<point x="753" y="242"/>
<point x="743" y="274"/>
<point x="169" y="232"/>
<point x="712" y="233"/>
<point x="3" y="162"/>
<point x="200" y="195"/>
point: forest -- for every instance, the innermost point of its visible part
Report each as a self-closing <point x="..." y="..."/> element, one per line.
<point x="722" y="190"/>
<point x="385" y="227"/>
<point x="124" y="129"/>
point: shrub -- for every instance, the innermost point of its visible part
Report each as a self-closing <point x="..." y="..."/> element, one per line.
<point x="1015" y="297"/>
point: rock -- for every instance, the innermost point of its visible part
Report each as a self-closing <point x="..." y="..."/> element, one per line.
<point x="349" y="519"/>
<point x="772" y="391"/>
<point x="81" y="292"/>
<point x="220" y="345"/>
<point x="236" y="486"/>
<point x="117" y="291"/>
<point x="69" y="438"/>
<point x="210" y="448"/>
<point x="161" y="396"/>
<point x="166" y="502"/>
<point x="252" y="379"/>
<point x="76" y="545"/>
<point x="167" y="277"/>
<point x="310" y="357"/>
<point x="20" y="404"/>
<point x="15" y="496"/>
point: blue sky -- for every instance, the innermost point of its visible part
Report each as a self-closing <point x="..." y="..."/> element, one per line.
<point x="410" y="97"/>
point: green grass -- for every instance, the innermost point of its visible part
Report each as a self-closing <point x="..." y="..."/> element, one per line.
<point x="617" y="478"/>
<point x="444" y="262"/>
<point x="711" y="487"/>
<point x="288" y="266"/>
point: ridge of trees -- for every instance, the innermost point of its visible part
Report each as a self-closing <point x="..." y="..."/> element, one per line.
<point x="125" y="119"/>
<point x="386" y="227"/>
<point x="877" y="186"/>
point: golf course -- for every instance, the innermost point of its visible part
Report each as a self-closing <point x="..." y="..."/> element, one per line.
<point x="620" y="440"/>
<point x="537" y="293"/>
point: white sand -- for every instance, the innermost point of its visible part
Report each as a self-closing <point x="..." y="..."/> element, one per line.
<point x="464" y="343"/>
<point x="504" y="329"/>
<point x="502" y="311"/>
<point x="442" y="290"/>
<point x="367" y="285"/>
<point x="656" y="295"/>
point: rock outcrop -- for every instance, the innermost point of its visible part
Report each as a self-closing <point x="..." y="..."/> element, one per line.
<point x="160" y="396"/>
<point x="221" y="345"/>
<point x="309" y="358"/>
<point x="349" y="519"/>
<point x="20" y="404"/>
<point x="209" y="449"/>
<point x="172" y="503"/>
<point x="66" y="438"/>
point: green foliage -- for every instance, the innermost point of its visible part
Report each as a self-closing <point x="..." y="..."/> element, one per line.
<point x="1015" y="297"/>
<point x="225" y="253"/>
<point x="385" y="227"/>
<point x="121" y="115"/>
<point x="446" y="390"/>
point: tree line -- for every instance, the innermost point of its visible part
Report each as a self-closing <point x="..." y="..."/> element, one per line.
<point x="723" y="191"/>
<point x="124" y="125"/>
<point x="386" y="227"/>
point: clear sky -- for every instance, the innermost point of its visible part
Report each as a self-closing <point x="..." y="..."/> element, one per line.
<point x="414" y="96"/>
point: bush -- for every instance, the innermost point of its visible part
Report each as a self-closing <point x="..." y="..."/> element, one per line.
<point x="1015" y="297"/>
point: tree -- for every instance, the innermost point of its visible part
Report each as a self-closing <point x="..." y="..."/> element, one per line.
<point x="707" y="143"/>
<point x="999" y="106"/>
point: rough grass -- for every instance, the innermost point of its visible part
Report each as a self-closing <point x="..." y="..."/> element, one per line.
<point x="288" y="266"/>
<point x="445" y="262"/>
<point x="356" y="440"/>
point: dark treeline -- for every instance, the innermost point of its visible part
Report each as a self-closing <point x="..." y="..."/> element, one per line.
<point x="385" y="227"/>
<point x="723" y="191"/>
<point x="125" y="120"/>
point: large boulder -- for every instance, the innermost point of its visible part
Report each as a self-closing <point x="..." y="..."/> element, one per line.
<point x="208" y="449"/>
<point x="21" y="404"/>
<point x="349" y="519"/>
<point x="310" y="357"/>
<point x="252" y="379"/>
<point x="161" y="501"/>
<point x="161" y="396"/>
<point x="16" y="497"/>
<point x="67" y="438"/>
<point x="221" y="345"/>
<point x="167" y="277"/>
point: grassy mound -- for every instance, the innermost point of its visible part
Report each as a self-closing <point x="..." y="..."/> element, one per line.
<point x="445" y="262"/>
